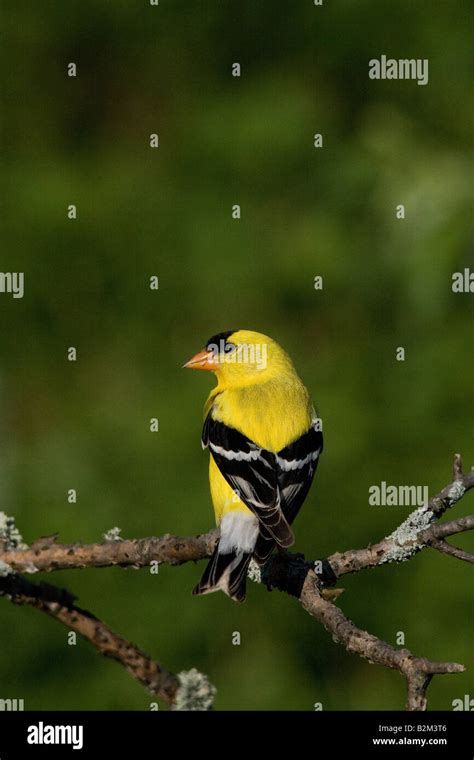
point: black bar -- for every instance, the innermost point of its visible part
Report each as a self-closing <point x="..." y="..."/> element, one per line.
<point x="133" y="734"/>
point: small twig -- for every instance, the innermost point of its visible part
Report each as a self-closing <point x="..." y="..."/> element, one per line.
<point x="457" y="467"/>
<point x="442" y="530"/>
<point x="453" y="551"/>
<point x="435" y="536"/>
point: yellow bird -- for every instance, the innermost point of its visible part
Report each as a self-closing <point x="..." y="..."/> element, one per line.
<point x="265" y="439"/>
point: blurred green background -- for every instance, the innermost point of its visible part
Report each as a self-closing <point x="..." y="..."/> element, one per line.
<point x="167" y="212"/>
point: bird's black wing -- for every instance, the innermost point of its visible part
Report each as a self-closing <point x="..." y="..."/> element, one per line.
<point x="253" y="473"/>
<point x="296" y="465"/>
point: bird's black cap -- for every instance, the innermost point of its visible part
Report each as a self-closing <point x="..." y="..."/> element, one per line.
<point x="218" y="337"/>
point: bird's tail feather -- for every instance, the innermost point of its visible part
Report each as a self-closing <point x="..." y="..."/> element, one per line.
<point x="263" y="548"/>
<point x="227" y="573"/>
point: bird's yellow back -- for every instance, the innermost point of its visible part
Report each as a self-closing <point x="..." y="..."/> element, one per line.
<point x="272" y="413"/>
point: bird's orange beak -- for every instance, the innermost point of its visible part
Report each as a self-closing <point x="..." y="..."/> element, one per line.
<point x="202" y="360"/>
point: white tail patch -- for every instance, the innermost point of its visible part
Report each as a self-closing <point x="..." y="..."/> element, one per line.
<point x="239" y="532"/>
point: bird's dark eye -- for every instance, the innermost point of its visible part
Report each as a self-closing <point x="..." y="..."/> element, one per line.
<point x="229" y="347"/>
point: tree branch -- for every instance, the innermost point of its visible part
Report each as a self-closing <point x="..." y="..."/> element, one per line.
<point x="46" y="555"/>
<point x="290" y="573"/>
<point x="418" y="671"/>
<point x="412" y="535"/>
<point x="60" y="605"/>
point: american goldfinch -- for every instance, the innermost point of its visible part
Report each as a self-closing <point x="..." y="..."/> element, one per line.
<point x="265" y="440"/>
